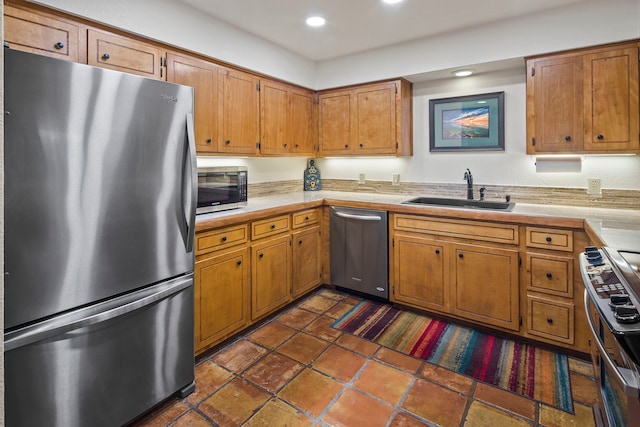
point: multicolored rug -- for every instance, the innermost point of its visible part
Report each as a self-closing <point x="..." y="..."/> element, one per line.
<point x="520" y="368"/>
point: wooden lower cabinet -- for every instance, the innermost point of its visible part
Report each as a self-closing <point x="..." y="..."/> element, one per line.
<point x="221" y="296"/>
<point x="271" y="275"/>
<point x="420" y="272"/>
<point x="485" y="286"/>
<point x="307" y="260"/>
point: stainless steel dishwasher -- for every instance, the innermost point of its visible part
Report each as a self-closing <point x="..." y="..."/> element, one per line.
<point x="359" y="250"/>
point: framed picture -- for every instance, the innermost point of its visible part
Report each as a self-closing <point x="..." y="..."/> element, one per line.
<point x="467" y="123"/>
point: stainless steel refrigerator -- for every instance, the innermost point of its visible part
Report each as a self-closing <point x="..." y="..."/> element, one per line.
<point x="100" y="199"/>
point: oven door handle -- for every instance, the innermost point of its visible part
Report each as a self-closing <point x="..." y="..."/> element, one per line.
<point x="628" y="383"/>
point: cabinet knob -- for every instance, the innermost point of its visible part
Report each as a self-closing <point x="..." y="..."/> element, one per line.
<point x="273" y="226"/>
<point x="346" y="145"/>
<point x="461" y="255"/>
<point x="239" y="262"/>
<point x="296" y="145"/>
<point x="306" y="218"/>
<point x="228" y="141"/>
<point x="548" y="239"/>
<point x="549" y="320"/>
<point x="105" y="56"/>
<point x="549" y="275"/>
<point x="600" y="137"/>
<point x="361" y="145"/>
<point x="284" y="145"/>
<point x="224" y="238"/>
<point x="208" y="140"/>
<point x="261" y="255"/>
<point x="59" y="45"/>
<point x="567" y="138"/>
<point x="299" y="242"/>
<point x="437" y="251"/>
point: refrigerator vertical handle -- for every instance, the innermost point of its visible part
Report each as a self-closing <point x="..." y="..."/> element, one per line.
<point x="191" y="158"/>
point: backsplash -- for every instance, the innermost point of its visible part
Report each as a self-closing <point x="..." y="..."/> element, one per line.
<point x="615" y="199"/>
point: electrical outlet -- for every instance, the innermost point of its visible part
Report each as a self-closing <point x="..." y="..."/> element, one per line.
<point x="361" y="178"/>
<point x="395" y="179"/>
<point x="593" y="186"/>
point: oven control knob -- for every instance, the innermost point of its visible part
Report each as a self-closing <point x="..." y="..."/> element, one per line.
<point x="627" y="314"/>
<point x="590" y="249"/>
<point x="618" y="299"/>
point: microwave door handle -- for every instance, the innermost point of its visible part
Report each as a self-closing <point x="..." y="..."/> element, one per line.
<point x="190" y="214"/>
<point x="629" y="385"/>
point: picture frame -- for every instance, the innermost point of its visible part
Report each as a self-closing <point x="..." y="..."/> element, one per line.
<point x="467" y="123"/>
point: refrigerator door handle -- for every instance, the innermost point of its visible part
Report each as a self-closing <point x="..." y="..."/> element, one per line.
<point x="47" y="329"/>
<point x="191" y="158"/>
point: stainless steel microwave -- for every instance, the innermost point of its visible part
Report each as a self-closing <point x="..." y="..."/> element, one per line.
<point x="221" y="188"/>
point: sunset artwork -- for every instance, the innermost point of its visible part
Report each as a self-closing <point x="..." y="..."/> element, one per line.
<point x="465" y="123"/>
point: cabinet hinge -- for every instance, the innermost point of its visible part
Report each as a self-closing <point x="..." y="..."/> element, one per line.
<point x="258" y="86"/>
<point x="520" y="320"/>
<point x="396" y="89"/>
<point x="393" y="242"/>
<point x="396" y="145"/>
<point x="533" y="141"/>
<point x="519" y="261"/>
<point x="533" y="71"/>
<point x="258" y="145"/>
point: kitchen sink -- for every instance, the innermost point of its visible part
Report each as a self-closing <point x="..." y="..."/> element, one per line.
<point x="461" y="203"/>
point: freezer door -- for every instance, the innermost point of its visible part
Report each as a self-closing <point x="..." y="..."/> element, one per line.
<point x="102" y="365"/>
<point x="100" y="184"/>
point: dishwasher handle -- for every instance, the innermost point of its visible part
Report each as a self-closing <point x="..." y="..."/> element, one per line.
<point x="359" y="217"/>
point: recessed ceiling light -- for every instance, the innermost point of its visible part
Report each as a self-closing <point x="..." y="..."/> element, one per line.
<point x="391" y="1"/>
<point x="462" y="73"/>
<point x="316" y="21"/>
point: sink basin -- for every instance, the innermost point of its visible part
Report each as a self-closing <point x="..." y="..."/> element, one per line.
<point x="461" y="203"/>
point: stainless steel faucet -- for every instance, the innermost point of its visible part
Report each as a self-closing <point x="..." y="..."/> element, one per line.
<point x="469" y="178"/>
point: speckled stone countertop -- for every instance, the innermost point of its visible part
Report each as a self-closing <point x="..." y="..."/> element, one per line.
<point x="618" y="228"/>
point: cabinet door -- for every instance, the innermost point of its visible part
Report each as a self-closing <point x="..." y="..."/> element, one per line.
<point x="119" y="53"/>
<point x="307" y="260"/>
<point x="485" y="285"/>
<point x="558" y="106"/>
<point x="301" y="125"/>
<point x="202" y="76"/>
<point x="42" y="35"/>
<point x="420" y="273"/>
<point x="238" y="112"/>
<point x="611" y="100"/>
<point x="335" y="123"/>
<point x="274" y="117"/>
<point x="221" y="296"/>
<point x="271" y="275"/>
<point x="375" y="125"/>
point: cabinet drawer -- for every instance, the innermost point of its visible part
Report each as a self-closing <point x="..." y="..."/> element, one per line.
<point x="269" y="227"/>
<point x="550" y="238"/>
<point x="123" y="54"/>
<point x="304" y="218"/>
<point x="222" y="238"/>
<point x="550" y="274"/>
<point x="488" y="232"/>
<point x="551" y="319"/>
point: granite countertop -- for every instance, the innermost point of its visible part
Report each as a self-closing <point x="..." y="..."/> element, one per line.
<point x="619" y="228"/>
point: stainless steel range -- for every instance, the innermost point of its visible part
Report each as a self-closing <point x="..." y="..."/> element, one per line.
<point x="612" y="304"/>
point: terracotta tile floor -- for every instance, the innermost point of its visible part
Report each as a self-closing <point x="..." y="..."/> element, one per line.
<point x="295" y="370"/>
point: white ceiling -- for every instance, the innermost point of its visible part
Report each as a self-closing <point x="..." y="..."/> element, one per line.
<point x="360" y="25"/>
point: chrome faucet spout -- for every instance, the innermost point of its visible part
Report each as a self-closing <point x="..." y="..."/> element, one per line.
<point x="469" y="178"/>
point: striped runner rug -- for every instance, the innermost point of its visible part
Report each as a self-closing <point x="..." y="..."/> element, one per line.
<point x="536" y="373"/>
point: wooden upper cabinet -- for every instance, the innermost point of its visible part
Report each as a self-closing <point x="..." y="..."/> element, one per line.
<point x="203" y="77"/>
<point x="42" y="34"/>
<point x="557" y="117"/>
<point x="584" y="101"/>
<point x="286" y="119"/>
<point x="370" y="119"/>
<point x="238" y="112"/>
<point x="611" y="100"/>
<point x="119" y="53"/>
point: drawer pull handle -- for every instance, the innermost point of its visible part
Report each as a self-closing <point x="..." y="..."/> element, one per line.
<point x="239" y="262"/>
<point x="224" y="238"/>
<point x="59" y="45"/>
<point x="548" y="239"/>
<point x="549" y="275"/>
<point x="437" y="251"/>
<point x="105" y="56"/>
<point x="550" y="320"/>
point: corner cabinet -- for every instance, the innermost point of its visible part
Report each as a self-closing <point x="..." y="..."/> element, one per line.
<point x="468" y="269"/>
<point x="370" y="119"/>
<point x="584" y="101"/>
